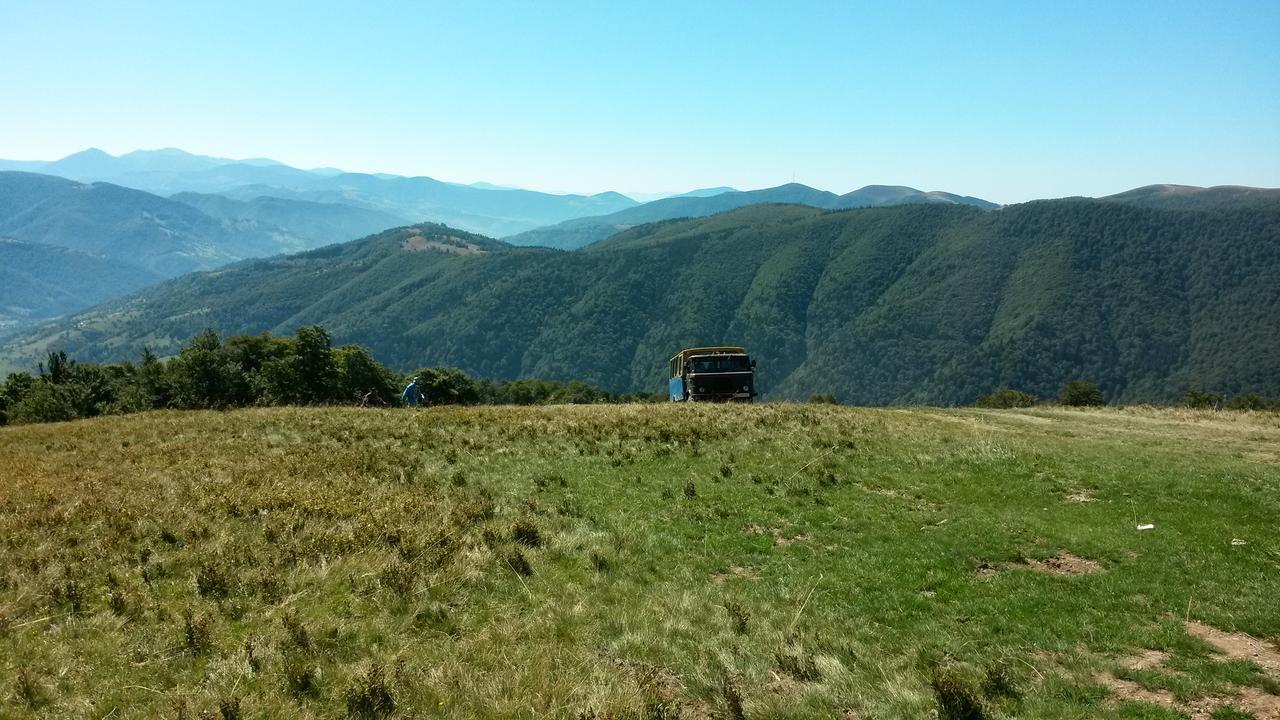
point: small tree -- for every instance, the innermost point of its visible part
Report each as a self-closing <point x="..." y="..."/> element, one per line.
<point x="316" y="367"/>
<point x="15" y="387"/>
<point x="57" y="368"/>
<point x="1081" y="393"/>
<point x="447" y="386"/>
<point x="204" y="377"/>
<point x="153" y="380"/>
<point x="1004" y="397"/>
<point x="360" y="376"/>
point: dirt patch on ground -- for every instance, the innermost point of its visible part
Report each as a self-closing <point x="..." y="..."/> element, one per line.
<point x="779" y="537"/>
<point x="1239" y="646"/>
<point x="1081" y="496"/>
<point x="1146" y="660"/>
<point x="1037" y="419"/>
<point x="1064" y="564"/>
<point x="1130" y="691"/>
<point x="1261" y="705"/>
<point x="1234" y="646"/>
<point x="1061" y="564"/>
<point x="734" y="573"/>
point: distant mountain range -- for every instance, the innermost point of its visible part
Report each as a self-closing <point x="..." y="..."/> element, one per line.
<point x="121" y="239"/>
<point x="482" y="208"/>
<point x="580" y="232"/>
<point x="1189" y="197"/>
<point x="161" y="236"/>
<point x="919" y="303"/>
<point x="171" y="236"/>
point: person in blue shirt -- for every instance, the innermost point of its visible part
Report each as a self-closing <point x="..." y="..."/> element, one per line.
<point x="412" y="395"/>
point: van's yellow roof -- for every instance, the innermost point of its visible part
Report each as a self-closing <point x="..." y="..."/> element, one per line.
<point x="719" y="350"/>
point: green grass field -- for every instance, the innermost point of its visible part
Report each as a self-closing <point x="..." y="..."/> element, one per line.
<point x="642" y="562"/>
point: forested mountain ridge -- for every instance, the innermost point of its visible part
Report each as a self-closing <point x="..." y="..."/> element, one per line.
<point x="38" y="282"/>
<point x="580" y="232"/>
<point x="117" y="240"/>
<point x="151" y="232"/>
<point x="912" y="303"/>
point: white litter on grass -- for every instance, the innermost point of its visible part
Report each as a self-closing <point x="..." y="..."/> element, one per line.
<point x="1237" y="542"/>
<point x="1148" y="526"/>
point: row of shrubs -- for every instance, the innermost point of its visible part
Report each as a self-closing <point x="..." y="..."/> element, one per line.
<point x="1082" y="393"/>
<point x="247" y="370"/>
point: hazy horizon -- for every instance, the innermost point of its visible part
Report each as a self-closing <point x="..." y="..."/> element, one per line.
<point x="1015" y="104"/>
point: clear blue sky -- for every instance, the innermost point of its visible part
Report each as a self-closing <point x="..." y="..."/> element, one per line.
<point x="1005" y="100"/>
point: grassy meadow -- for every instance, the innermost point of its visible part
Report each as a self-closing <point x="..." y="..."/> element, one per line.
<point x="642" y="561"/>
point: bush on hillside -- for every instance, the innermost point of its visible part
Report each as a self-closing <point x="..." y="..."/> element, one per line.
<point x="1003" y="398"/>
<point x="447" y="386"/>
<point x="1250" y="401"/>
<point x="12" y="390"/>
<point x="1081" y="393"/>
<point x="1202" y="400"/>
<point x="46" y="402"/>
<point x="362" y="379"/>
<point x="203" y="376"/>
<point x="318" y="371"/>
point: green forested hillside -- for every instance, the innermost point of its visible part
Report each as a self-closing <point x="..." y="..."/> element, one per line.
<point x="38" y="282"/>
<point x="580" y="232"/>
<point x="914" y="303"/>
<point x="153" y="233"/>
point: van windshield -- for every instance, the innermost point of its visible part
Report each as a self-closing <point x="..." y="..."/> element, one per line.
<point x="721" y="363"/>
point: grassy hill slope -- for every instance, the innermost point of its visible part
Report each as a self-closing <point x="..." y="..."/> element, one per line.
<point x="916" y="303"/>
<point x="639" y="561"/>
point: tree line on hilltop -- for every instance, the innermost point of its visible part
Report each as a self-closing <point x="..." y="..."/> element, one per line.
<point x="211" y="372"/>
